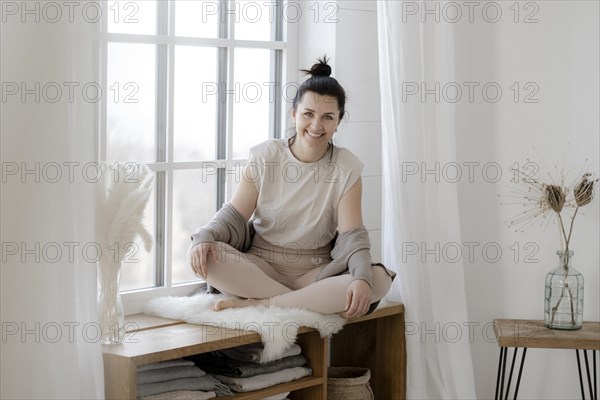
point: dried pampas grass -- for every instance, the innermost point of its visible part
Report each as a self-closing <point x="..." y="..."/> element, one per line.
<point x="121" y="198"/>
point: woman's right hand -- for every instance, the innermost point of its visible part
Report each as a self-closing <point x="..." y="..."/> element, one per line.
<point x="199" y="258"/>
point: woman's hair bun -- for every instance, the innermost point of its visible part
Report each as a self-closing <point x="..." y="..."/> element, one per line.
<point x="321" y="68"/>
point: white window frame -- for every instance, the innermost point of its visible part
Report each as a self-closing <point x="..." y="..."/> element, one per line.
<point x="133" y="301"/>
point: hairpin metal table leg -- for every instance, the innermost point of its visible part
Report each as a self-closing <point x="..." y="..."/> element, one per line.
<point x="500" y="390"/>
<point x="512" y="367"/>
<point x="595" y="376"/>
<point x="502" y="350"/>
<point x="580" y="376"/>
<point x="589" y="378"/>
<point x="520" y="371"/>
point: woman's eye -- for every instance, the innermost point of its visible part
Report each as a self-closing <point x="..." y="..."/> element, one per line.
<point x="308" y="114"/>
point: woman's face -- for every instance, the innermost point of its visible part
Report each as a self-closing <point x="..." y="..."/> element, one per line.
<point x="316" y="118"/>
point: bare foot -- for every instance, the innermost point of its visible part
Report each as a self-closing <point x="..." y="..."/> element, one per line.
<point x="235" y="302"/>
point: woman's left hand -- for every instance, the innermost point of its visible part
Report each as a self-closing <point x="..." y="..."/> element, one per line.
<point x="358" y="298"/>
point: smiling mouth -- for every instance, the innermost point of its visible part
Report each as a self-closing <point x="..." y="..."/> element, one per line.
<point x="314" y="135"/>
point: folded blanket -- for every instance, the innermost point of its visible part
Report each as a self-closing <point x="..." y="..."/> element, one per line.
<point x="214" y="364"/>
<point x="165" y="364"/>
<point x="280" y="396"/>
<point x="182" y="395"/>
<point x="204" y="383"/>
<point x="253" y="351"/>
<point x="168" y="374"/>
<point x="264" y="381"/>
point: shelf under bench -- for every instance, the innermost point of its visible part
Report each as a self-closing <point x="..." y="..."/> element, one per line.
<point x="375" y="341"/>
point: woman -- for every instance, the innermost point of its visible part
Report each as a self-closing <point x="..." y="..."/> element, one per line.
<point x="306" y="246"/>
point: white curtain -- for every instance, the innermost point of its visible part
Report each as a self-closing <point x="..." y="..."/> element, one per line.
<point x="421" y="230"/>
<point x="49" y="346"/>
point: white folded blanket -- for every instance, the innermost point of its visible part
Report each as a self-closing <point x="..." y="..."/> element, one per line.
<point x="265" y="380"/>
<point x="181" y="395"/>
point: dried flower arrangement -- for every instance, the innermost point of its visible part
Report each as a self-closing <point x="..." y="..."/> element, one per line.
<point x="543" y="202"/>
<point x="121" y="197"/>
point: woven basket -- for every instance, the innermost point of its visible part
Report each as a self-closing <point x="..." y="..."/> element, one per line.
<point x="349" y="383"/>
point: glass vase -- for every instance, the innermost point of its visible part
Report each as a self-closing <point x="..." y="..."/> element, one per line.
<point x="110" y="306"/>
<point x="563" y="298"/>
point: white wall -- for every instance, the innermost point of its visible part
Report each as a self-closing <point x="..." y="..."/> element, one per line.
<point x="559" y="54"/>
<point x="354" y="61"/>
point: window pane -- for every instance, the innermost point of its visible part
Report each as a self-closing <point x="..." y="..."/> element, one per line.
<point x="252" y="19"/>
<point x="131" y="103"/>
<point x="197" y="18"/>
<point x="196" y="96"/>
<point x="251" y="114"/>
<point x="137" y="269"/>
<point x="128" y="16"/>
<point x="194" y="204"/>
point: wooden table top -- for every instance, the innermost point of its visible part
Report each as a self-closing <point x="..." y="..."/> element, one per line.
<point x="533" y="333"/>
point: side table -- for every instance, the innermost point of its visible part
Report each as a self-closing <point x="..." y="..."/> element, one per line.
<point x="527" y="333"/>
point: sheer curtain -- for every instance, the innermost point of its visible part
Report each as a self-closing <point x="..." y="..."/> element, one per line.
<point x="49" y="345"/>
<point x="421" y="228"/>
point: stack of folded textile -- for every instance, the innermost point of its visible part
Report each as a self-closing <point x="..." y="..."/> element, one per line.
<point x="177" y="380"/>
<point x="241" y="370"/>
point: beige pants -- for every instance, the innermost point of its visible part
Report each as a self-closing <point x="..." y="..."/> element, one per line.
<point x="286" y="276"/>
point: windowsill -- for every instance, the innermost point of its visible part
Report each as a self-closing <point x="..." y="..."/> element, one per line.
<point x="134" y="301"/>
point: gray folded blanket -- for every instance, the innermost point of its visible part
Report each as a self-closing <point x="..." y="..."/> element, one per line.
<point x="265" y="380"/>
<point x="169" y="374"/>
<point x="204" y="383"/>
<point x="182" y="395"/>
<point x="165" y="364"/>
<point x="225" y="366"/>
<point x="252" y="352"/>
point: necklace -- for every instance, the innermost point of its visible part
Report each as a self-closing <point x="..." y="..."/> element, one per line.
<point x="292" y="140"/>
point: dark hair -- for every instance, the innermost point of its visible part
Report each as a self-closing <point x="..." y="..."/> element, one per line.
<point x="321" y="83"/>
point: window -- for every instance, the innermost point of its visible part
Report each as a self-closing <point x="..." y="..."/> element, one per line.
<point x="190" y="86"/>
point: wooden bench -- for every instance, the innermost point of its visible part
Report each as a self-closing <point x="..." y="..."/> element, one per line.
<point x="375" y="341"/>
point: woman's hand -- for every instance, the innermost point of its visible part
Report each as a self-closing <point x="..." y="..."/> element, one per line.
<point x="358" y="298"/>
<point x="199" y="258"/>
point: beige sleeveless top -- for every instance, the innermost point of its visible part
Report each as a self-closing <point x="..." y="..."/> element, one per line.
<point x="298" y="201"/>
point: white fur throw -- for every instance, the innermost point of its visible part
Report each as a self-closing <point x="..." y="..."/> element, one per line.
<point x="277" y="326"/>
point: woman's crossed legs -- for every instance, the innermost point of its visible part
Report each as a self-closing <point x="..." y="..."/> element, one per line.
<point x="254" y="280"/>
